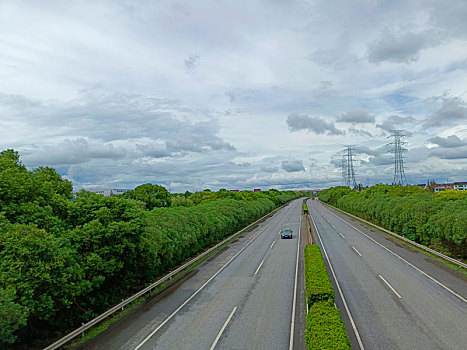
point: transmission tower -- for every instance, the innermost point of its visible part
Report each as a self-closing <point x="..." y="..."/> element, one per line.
<point x="348" y="171"/>
<point x="398" y="148"/>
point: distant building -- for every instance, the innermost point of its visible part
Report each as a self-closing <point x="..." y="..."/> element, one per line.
<point x="457" y="186"/>
<point x="443" y="187"/>
<point x="234" y="190"/>
<point x="108" y="193"/>
<point x="257" y="190"/>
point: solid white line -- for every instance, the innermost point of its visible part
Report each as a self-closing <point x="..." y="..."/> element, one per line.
<point x="354" y="327"/>
<point x="272" y="244"/>
<point x="342" y="235"/>
<point x="292" y="325"/>
<point x="356" y="251"/>
<point x="408" y="263"/>
<point x="259" y="267"/>
<point x="390" y="286"/>
<point x="222" y="329"/>
<point x="195" y="293"/>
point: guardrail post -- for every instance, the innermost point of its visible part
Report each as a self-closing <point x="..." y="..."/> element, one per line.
<point x="82" y="333"/>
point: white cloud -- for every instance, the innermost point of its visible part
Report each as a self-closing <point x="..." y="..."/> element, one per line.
<point x="187" y="94"/>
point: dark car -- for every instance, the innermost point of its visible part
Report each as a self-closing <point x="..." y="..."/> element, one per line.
<point x="286" y="233"/>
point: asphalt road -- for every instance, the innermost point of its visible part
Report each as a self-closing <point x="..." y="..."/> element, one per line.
<point x="392" y="296"/>
<point x="250" y="296"/>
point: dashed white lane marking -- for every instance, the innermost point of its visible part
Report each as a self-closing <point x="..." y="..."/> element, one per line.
<point x="222" y="329"/>
<point x="341" y="235"/>
<point x="259" y="267"/>
<point x="387" y="283"/>
<point x="356" y="251"/>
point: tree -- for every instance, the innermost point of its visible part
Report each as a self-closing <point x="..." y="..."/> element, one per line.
<point x="13" y="316"/>
<point x="153" y="196"/>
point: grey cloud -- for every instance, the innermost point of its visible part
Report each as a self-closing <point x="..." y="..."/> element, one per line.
<point x="112" y="117"/>
<point x="359" y="132"/>
<point x="292" y="165"/>
<point x="381" y="160"/>
<point x="452" y="110"/>
<point x="192" y="63"/>
<point x="324" y="90"/>
<point x="154" y="149"/>
<point x="450" y="153"/>
<point x="400" y="47"/>
<point x="197" y="142"/>
<point x="18" y="102"/>
<point x="395" y="122"/>
<point x="356" y="117"/>
<point x="74" y="151"/>
<point x="367" y="150"/>
<point x="450" y="18"/>
<point x="334" y="57"/>
<point x="451" y="141"/>
<point x="298" y="122"/>
<point x="231" y="96"/>
<point x="267" y="169"/>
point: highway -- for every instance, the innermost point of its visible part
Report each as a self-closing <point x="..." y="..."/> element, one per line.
<point x="391" y="296"/>
<point x="250" y="296"/>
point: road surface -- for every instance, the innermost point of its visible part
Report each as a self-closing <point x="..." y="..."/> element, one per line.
<point x="396" y="297"/>
<point x="250" y="296"/>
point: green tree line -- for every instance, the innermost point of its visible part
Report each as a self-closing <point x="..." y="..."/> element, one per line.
<point x="65" y="258"/>
<point x="437" y="220"/>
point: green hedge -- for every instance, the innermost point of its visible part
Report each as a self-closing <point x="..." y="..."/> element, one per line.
<point x="317" y="282"/>
<point x="325" y="329"/>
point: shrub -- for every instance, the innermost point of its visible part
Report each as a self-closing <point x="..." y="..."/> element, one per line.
<point x="318" y="285"/>
<point x="325" y="329"/>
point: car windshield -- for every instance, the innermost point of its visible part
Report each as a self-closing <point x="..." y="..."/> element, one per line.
<point x="286" y="230"/>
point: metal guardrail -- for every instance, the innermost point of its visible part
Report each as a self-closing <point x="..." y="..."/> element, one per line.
<point x="149" y="289"/>
<point x="445" y="257"/>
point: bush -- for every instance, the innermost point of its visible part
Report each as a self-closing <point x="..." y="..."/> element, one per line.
<point x="317" y="282"/>
<point x="325" y="329"/>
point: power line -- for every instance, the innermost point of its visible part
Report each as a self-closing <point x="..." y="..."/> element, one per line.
<point x="398" y="149"/>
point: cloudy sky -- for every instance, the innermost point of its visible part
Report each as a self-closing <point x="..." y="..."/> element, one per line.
<point x="234" y="94"/>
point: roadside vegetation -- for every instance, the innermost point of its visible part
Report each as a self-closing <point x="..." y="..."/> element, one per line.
<point x="65" y="258"/>
<point x="436" y="220"/>
<point x="324" y="327"/>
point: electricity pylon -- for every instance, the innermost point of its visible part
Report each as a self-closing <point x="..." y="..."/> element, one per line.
<point x="348" y="171"/>
<point x="398" y="149"/>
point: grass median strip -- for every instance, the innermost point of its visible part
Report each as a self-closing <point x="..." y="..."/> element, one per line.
<point x="325" y="329"/>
